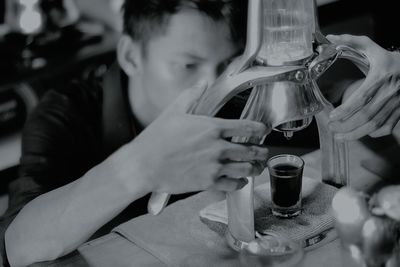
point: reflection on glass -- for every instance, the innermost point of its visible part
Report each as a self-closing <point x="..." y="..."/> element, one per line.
<point x="287" y="31"/>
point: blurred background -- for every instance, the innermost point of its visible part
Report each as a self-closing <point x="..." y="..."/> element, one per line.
<point x="44" y="43"/>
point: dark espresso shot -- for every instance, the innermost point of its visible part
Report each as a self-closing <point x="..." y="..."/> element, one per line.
<point x="286" y="184"/>
<point x="286" y="175"/>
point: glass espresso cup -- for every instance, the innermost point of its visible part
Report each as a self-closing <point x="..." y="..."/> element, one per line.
<point x="286" y="175"/>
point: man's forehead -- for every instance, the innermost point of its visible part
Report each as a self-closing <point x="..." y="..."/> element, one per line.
<point x="224" y="5"/>
<point x="191" y="33"/>
<point x="193" y="23"/>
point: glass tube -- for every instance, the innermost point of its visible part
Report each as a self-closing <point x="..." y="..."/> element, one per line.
<point x="288" y="27"/>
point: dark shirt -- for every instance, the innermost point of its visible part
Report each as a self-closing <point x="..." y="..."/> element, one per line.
<point x="74" y="128"/>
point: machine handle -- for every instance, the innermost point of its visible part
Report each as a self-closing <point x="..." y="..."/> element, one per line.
<point x="329" y="53"/>
<point x="358" y="58"/>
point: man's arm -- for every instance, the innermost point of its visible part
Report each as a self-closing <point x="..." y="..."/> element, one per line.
<point x="177" y="153"/>
<point x="61" y="142"/>
<point x="57" y="222"/>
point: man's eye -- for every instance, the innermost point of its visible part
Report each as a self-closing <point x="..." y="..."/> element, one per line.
<point x="191" y="66"/>
<point x="184" y="67"/>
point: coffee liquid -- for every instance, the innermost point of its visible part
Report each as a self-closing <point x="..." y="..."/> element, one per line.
<point x="285" y="185"/>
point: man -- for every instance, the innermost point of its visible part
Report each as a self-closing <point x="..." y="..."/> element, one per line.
<point x="84" y="156"/>
<point x="84" y="160"/>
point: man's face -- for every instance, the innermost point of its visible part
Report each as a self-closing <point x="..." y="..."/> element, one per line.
<point x="193" y="48"/>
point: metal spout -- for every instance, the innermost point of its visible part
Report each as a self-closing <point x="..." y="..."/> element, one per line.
<point x="293" y="126"/>
<point x="288" y="134"/>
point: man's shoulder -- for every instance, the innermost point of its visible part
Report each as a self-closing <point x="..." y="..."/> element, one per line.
<point x="84" y="90"/>
<point x="86" y="108"/>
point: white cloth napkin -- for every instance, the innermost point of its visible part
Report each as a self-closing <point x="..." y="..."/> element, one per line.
<point x="312" y="228"/>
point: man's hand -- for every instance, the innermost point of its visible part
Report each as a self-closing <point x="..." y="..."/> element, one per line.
<point x="180" y="152"/>
<point x="374" y="107"/>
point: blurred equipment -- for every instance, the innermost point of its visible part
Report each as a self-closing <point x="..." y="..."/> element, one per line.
<point x="369" y="226"/>
<point x="14" y="107"/>
<point x="35" y="16"/>
<point x="41" y="31"/>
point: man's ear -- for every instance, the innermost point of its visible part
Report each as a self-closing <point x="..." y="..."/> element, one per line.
<point x="128" y="55"/>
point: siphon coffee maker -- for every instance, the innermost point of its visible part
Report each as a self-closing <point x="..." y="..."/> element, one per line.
<point x="285" y="54"/>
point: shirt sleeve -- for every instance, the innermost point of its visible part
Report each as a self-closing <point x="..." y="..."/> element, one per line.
<point x="59" y="144"/>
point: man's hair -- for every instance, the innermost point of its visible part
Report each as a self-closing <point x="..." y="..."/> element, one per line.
<point x="144" y="19"/>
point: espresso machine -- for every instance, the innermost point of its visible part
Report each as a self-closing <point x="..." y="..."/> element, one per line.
<point x="285" y="54"/>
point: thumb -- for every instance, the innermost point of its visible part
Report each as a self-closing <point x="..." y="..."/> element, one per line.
<point x="361" y="43"/>
<point x="346" y="39"/>
<point x="189" y="98"/>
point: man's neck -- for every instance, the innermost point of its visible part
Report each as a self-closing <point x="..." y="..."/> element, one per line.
<point x="140" y="107"/>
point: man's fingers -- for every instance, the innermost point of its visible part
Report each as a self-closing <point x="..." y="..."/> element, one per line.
<point x="242" y="152"/>
<point x="374" y="80"/>
<point x="241" y="169"/>
<point x="361" y="43"/>
<point x="360" y="98"/>
<point x="388" y="127"/>
<point x="383" y="131"/>
<point x="229" y="184"/>
<point x="357" y="133"/>
<point x="242" y="128"/>
<point x="378" y="109"/>
<point x="385" y="119"/>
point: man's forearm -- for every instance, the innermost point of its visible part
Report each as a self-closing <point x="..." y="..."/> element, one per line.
<point x="57" y="222"/>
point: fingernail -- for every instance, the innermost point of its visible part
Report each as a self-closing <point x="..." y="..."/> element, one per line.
<point x="242" y="183"/>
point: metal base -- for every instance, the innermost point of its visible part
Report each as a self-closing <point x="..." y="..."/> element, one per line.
<point x="286" y="214"/>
